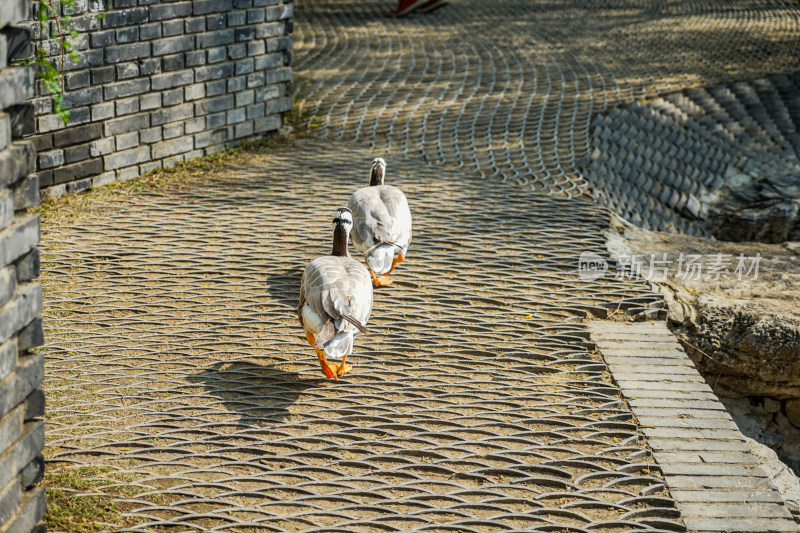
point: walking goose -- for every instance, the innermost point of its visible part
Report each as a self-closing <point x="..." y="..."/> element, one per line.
<point x="382" y="224"/>
<point x="335" y="300"/>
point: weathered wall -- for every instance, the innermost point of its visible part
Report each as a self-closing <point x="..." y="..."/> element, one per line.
<point x="21" y="397"/>
<point x="160" y="81"/>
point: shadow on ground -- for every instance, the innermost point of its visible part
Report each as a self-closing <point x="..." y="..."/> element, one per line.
<point x="260" y="394"/>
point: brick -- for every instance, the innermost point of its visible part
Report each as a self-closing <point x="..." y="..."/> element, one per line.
<point x="127" y="71"/>
<point x="76" y="186"/>
<point x="279" y="75"/>
<point x="27" y="267"/>
<point x="127" y="106"/>
<point x="5" y="130"/>
<point x="195" y="125"/>
<point x="173" y="130"/>
<point x="10" y="498"/>
<point x="13" y="11"/>
<point x="238" y="51"/>
<point x="255" y="111"/>
<point x="269" y="123"/>
<point x="127" y="158"/>
<point x="77" y="135"/>
<point x="8" y="283"/>
<point x="203" y="7"/>
<point x="172" y="63"/>
<point x="197" y="25"/>
<point x="194" y="92"/>
<point x="77" y="80"/>
<point x="8" y="359"/>
<point x="213" y="105"/>
<point x="279" y="105"/>
<point x="234" y="116"/>
<point x="102" y="75"/>
<point x="215" y="55"/>
<point x="150" y="101"/>
<point x="215" y="22"/>
<point x="255" y="15"/>
<point x="128" y="35"/>
<point x="150" y="135"/>
<point x="16" y="160"/>
<point x="126" y="17"/>
<point x="177" y="10"/>
<point x="21" y="122"/>
<point x="674" y="445"/>
<point x="172" y="27"/>
<point x="742" y="525"/>
<point x="31" y="512"/>
<point x="171" y="80"/>
<point x="172" y="97"/>
<point x="686" y="423"/>
<point x="173" y="147"/>
<point x="150" y="66"/>
<point x="150" y="31"/>
<point x="172" y="114"/>
<point x="243" y="129"/>
<point x="77" y="170"/>
<point x="245" y="66"/>
<point x="18" y="43"/>
<point x="765" y="496"/>
<point x="666" y="393"/>
<point x="126" y="124"/>
<point x="21" y="310"/>
<point x="31" y="336"/>
<point x="16" y="86"/>
<point x="102" y="147"/>
<point x="268" y="61"/>
<point x="216" y="38"/>
<point x="215" y="88"/>
<point x="195" y="58"/>
<point x="237" y="18"/>
<point x="32" y="473"/>
<point x="127" y="140"/>
<point x="127" y="52"/>
<point x="26" y="192"/>
<point x="127" y="173"/>
<point x="173" y="45"/>
<point x="22" y="451"/>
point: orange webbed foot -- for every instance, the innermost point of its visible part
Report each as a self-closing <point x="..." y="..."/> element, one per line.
<point x="326" y="367"/>
<point x="396" y="261"/>
<point x="343" y="368"/>
<point x="381" y="281"/>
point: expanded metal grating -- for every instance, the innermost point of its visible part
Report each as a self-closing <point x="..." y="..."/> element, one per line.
<point x="508" y="89"/>
<point x="474" y="404"/>
<point x="660" y="163"/>
<point x="175" y="363"/>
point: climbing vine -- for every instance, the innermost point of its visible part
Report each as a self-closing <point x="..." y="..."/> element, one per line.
<point x="58" y="27"/>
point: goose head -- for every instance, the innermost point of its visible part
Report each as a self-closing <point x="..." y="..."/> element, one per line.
<point x="377" y="171"/>
<point x="342" y="225"/>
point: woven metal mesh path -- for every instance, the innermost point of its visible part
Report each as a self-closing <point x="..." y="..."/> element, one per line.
<point x="508" y="88"/>
<point x="175" y="363"/>
<point x="474" y="405"/>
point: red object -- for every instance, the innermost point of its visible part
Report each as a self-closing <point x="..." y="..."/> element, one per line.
<point x="432" y="5"/>
<point x="404" y="7"/>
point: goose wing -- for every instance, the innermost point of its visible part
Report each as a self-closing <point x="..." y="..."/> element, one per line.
<point x="337" y="289"/>
<point x="381" y="214"/>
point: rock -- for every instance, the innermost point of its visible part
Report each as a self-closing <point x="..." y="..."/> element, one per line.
<point x="793" y="412"/>
<point x="787" y="483"/>
<point x="766" y="210"/>
<point x="753" y="353"/>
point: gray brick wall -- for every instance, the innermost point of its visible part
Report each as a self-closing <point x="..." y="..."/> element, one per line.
<point x="161" y="81"/>
<point x="22" y="502"/>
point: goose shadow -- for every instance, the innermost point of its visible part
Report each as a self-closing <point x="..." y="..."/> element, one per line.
<point x="261" y="394"/>
<point x="284" y="287"/>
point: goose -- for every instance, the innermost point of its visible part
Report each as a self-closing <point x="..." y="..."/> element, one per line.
<point x="382" y="225"/>
<point x="335" y="300"/>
